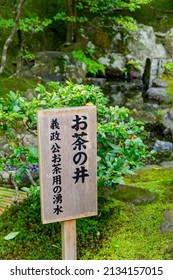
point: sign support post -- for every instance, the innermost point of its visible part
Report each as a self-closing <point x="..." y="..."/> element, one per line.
<point x="68" y="233"/>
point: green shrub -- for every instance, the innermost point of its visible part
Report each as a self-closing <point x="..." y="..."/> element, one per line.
<point x="168" y="68"/>
<point x="93" y="67"/>
<point x="120" y="145"/>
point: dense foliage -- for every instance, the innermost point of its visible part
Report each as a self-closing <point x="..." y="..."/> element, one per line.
<point x="120" y="147"/>
<point x="47" y="26"/>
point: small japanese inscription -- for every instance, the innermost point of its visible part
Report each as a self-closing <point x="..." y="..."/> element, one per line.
<point x="56" y="166"/>
<point x="79" y="146"/>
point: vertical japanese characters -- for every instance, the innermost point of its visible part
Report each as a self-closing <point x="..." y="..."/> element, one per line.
<point x="67" y="163"/>
<point x="80" y="157"/>
<point x="79" y="146"/>
<point x="56" y="166"/>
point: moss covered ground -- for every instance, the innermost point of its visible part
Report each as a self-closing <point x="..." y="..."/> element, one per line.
<point x="122" y="230"/>
<point x="15" y="84"/>
<point x="136" y="234"/>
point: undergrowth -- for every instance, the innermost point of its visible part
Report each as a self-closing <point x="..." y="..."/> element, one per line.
<point x="36" y="241"/>
<point x="121" y="230"/>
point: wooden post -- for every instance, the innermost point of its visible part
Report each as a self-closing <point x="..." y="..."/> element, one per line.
<point x="68" y="233"/>
<point x="68" y="169"/>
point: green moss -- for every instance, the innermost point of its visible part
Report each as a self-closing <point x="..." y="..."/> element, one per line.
<point x="136" y="233"/>
<point x="120" y="231"/>
<point x="169" y="79"/>
<point x="15" y="84"/>
<point x="34" y="241"/>
<point x="156" y="179"/>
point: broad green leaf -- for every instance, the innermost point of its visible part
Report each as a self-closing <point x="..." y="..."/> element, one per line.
<point x="25" y="189"/>
<point x="11" y="235"/>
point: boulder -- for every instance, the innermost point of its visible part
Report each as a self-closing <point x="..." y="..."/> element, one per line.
<point x="130" y="50"/>
<point x="117" y="99"/>
<point x="59" y="66"/>
<point x="134" y="101"/>
<point x="154" y="68"/>
<point x="167" y="224"/>
<point x="162" y="145"/>
<point x="160" y="83"/>
<point x="98" y="82"/>
<point x="134" y="195"/>
<point x="156" y="94"/>
<point x="168" y="42"/>
<point x="114" y="63"/>
<point x="28" y="139"/>
<point x="167" y="121"/>
<point x="142" y="44"/>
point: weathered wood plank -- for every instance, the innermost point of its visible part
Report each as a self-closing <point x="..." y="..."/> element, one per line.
<point x="67" y="163"/>
<point x="68" y="230"/>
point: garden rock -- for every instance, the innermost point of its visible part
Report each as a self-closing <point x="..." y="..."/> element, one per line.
<point x="168" y="42"/>
<point x="114" y="63"/>
<point x="167" y="225"/>
<point x="117" y="98"/>
<point x="156" y="94"/>
<point x="162" y="145"/>
<point x="29" y="94"/>
<point x="159" y="83"/>
<point x="154" y="69"/>
<point x="59" y="66"/>
<point x="28" y="139"/>
<point x="148" y="118"/>
<point x="134" y="101"/>
<point x="142" y="44"/>
<point x="99" y="82"/>
<point x="166" y="163"/>
<point x="133" y="194"/>
<point x="168" y="120"/>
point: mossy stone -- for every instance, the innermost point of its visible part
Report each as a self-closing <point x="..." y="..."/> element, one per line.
<point x="134" y="195"/>
<point x="167" y="224"/>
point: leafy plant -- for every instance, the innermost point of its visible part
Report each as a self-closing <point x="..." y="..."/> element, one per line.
<point x="168" y="67"/>
<point x="92" y="66"/>
<point x="105" y="10"/>
<point x="120" y="145"/>
<point x="134" y="64"/>
<point x="30" y="25"/>
<point x="26" y="55"/>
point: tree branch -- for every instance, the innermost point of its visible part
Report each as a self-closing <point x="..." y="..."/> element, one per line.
<point x="16" y="200"/>
<point x="31" y="178"/>
<point x="10" y="38"/>
<point x="162" y="11"/>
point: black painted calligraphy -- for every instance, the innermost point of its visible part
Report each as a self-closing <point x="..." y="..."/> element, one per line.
<point x="80" y="146"/>
<point x="56" y="167"/>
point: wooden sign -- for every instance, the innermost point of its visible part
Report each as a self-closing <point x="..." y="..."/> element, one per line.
<point x="67" y="163"/>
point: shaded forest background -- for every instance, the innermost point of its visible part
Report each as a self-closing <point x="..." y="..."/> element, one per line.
<point x="47" y="26"/>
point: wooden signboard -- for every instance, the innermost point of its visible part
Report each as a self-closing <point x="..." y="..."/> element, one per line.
<point x="67" y="163"/>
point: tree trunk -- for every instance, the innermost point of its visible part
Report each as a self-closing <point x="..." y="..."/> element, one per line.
<point x="71" y="11"/>
<point x="10" y="38"/>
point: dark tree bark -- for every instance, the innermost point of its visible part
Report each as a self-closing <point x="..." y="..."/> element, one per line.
<point x="11" y="36"/>
<point x="71" y="10"/>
